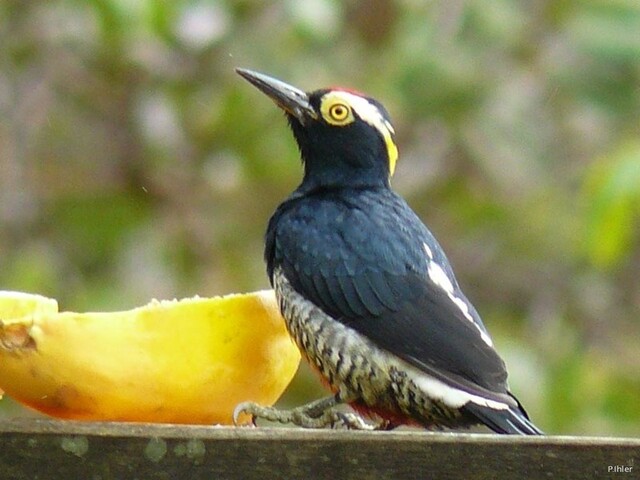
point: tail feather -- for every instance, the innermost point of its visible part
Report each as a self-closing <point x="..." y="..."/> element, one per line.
<point x="513" y="421"/>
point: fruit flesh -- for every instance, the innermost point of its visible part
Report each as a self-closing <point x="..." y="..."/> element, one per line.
<point x="188" y="361"/>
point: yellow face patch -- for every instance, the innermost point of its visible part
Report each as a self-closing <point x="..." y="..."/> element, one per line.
<point x="337" y="108"/>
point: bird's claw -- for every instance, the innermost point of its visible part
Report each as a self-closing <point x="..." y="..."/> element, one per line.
<point x="306" y="416"/>
<point x="244" y="408"/>
<point x="350" y="421"/>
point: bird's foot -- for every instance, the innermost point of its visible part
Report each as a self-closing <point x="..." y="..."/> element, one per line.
<point x="318" y="414"/>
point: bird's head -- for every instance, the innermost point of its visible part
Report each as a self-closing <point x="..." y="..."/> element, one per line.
<point x="345" y="138"/>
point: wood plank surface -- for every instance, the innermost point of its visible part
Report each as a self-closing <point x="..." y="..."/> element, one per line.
<point x="42" y="449"/>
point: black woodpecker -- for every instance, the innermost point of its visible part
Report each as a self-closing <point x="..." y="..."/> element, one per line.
<point x="365" y="289"/>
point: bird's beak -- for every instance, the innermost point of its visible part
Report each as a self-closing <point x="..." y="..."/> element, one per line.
<point x="291" y="99"/>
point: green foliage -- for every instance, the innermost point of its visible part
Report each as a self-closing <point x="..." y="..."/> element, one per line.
<point x="135" y="164"/>
<point x="613" y="199"/>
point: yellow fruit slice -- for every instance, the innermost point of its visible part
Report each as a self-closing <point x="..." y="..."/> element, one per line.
<point x="188" y="361"/>
<point x="18" y="304"/>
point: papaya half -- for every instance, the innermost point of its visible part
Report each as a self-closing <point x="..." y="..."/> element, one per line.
<point x="188" y="361"/>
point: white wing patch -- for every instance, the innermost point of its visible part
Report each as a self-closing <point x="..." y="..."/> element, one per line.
<point x="451" y="396"/>
<point x="438" y="276"/>
<point x="428" y="251"/>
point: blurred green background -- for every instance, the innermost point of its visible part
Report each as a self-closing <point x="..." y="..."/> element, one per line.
<point x="134" y="162"/>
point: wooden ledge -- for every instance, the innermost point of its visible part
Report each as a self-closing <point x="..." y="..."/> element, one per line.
<point x="44" y="449"/>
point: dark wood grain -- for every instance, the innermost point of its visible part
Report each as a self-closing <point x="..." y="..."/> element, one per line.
<point x="41" y="449"/>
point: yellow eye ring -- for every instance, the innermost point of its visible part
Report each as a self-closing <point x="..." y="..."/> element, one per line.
<point x="339" y="112"/>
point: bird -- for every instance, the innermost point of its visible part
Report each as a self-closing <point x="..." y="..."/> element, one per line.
<point x="365" y="289"/>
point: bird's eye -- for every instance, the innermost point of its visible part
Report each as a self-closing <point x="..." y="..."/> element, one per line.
<point x="336" y="110"/>
<point x="339" y="112"/>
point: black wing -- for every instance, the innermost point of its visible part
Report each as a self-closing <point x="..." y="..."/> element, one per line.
<point x="362" y="259"/>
